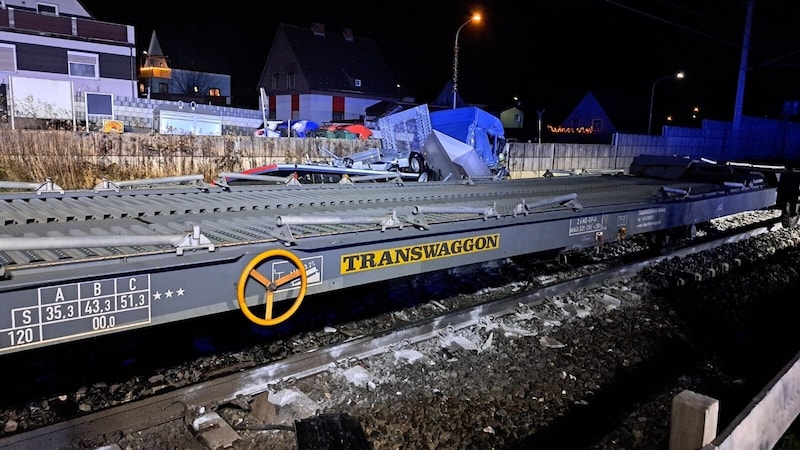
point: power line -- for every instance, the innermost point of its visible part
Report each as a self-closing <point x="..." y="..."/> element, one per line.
<point x="669" y="22"/>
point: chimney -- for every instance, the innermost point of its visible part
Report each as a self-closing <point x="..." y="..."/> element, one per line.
<point x="318" y="29"/>
<point x="348" y="34"/>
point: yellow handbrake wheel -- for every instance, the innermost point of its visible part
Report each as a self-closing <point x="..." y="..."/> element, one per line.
<point x="251" y="272"/>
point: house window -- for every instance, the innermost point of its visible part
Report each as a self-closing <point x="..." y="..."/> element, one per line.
<point x="517" y="119"/>
<point x="358" y="82"/>
<point x="195" y="89"/>
<point x="8" y="58"/>
<point x="290" y="81"/>
<point x="163" y="88"/>
<point x="213" y="92"/>
<point x="337" y="117"/>
<point x="82" y="65"/>
<point x="275" y="78"/>
<point x="597" y="125"/>
<point x="47" y="8"/>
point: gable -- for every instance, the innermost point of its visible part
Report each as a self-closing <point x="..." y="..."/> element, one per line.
<point x="330" y="61"/>
<point x="589" y="115"/>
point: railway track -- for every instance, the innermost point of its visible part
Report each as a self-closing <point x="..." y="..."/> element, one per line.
<point x="182" y="407"/>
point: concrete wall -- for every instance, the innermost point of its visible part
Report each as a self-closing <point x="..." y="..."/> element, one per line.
<point x="760" y="140"/>
<point x="78" y="160"/>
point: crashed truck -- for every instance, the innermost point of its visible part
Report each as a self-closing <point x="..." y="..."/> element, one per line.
<point x="443" y="145"/>
<point x="463" y="142"/>
<point x="451" y="144"/>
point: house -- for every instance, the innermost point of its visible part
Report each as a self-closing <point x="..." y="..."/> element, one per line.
<point x="323" y="76"/>
<point x="512" y="117"/>
<point x="447" y="97"/>
<point x="587" y="122"/>
<point x="185" y="73"/>
<point x="53" y="51"/>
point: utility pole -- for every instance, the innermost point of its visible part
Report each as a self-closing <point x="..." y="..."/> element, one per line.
<point x="737" y="111"/>
<point x="540" y="112"/>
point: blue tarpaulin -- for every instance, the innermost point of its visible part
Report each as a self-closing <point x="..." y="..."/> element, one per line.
<point x="474" y="127"/>
<point x="302" y="127"/>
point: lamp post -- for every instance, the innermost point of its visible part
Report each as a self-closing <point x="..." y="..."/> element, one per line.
<point x="678" y="76"/>
<point x="475" y="18"/>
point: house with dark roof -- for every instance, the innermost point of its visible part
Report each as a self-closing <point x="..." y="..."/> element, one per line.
<point x="324" y="76"/>
<point x="185" y="73"/>
<point x="587" y="122"/>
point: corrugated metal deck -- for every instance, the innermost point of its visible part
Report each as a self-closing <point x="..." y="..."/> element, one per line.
<point x="245" y="215"/>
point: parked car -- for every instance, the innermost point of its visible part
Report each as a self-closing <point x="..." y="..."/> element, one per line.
<point x="271" y="130"/>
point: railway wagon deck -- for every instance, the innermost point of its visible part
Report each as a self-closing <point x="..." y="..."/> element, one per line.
<point x="85" y="263"/>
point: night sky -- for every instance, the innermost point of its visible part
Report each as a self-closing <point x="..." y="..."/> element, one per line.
<point x="548" y="53"/>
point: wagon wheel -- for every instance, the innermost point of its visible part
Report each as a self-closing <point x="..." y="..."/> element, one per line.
<point x="251" y="271"/>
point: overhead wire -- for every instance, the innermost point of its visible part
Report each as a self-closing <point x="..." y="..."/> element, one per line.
<point x="675" y="24"/>
<point x="760" y="49"/>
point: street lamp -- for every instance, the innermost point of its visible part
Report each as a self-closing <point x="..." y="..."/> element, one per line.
<point x="678" y="76"/>
<point x="475" y="18"/>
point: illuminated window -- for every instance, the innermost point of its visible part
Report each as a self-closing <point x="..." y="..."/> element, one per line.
<point x="290" y="81"/>
<point x="275" y="78"/>
<point x="8" y="58"/>
<point x="82" y="65"/>
<point x="597" y="125"/>
<point x="358" y="82"/>
<point x="47" y="8"/>
<point x="195" y="89"/>
<point x="214" y="92"/>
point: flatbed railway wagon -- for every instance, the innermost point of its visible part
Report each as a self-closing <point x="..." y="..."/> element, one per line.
<point x="83" y="264"/>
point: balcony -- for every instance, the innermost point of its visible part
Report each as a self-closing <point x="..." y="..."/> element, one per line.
<point x="59" y="26"/>
<point x="155" y="72"/>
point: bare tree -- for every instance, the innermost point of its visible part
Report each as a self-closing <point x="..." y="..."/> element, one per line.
<point x="185" y="82"/>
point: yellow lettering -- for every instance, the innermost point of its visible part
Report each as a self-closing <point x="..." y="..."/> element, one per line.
<point x="386" y="259"/>
<point x="357" y="262"/>
<point x="401" y="254"/>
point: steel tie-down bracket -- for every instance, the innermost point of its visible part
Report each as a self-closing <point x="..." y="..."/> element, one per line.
<point x="284" y="233"/>
<point x="47" y="186"/>
<point x="486" y="212"/>
<point x="182" y="242"/>
<point x="568" y="200"/>
<point x="670" y="192"/>
<point x="193" y="241"/>
<point x="108" y="185"/>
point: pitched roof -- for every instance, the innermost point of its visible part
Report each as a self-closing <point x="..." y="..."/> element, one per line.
<point x="154" y="48"/>
<point x="445" y="97"/>
<point x="333" y="61"/>
<point x="587" y="110"/>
